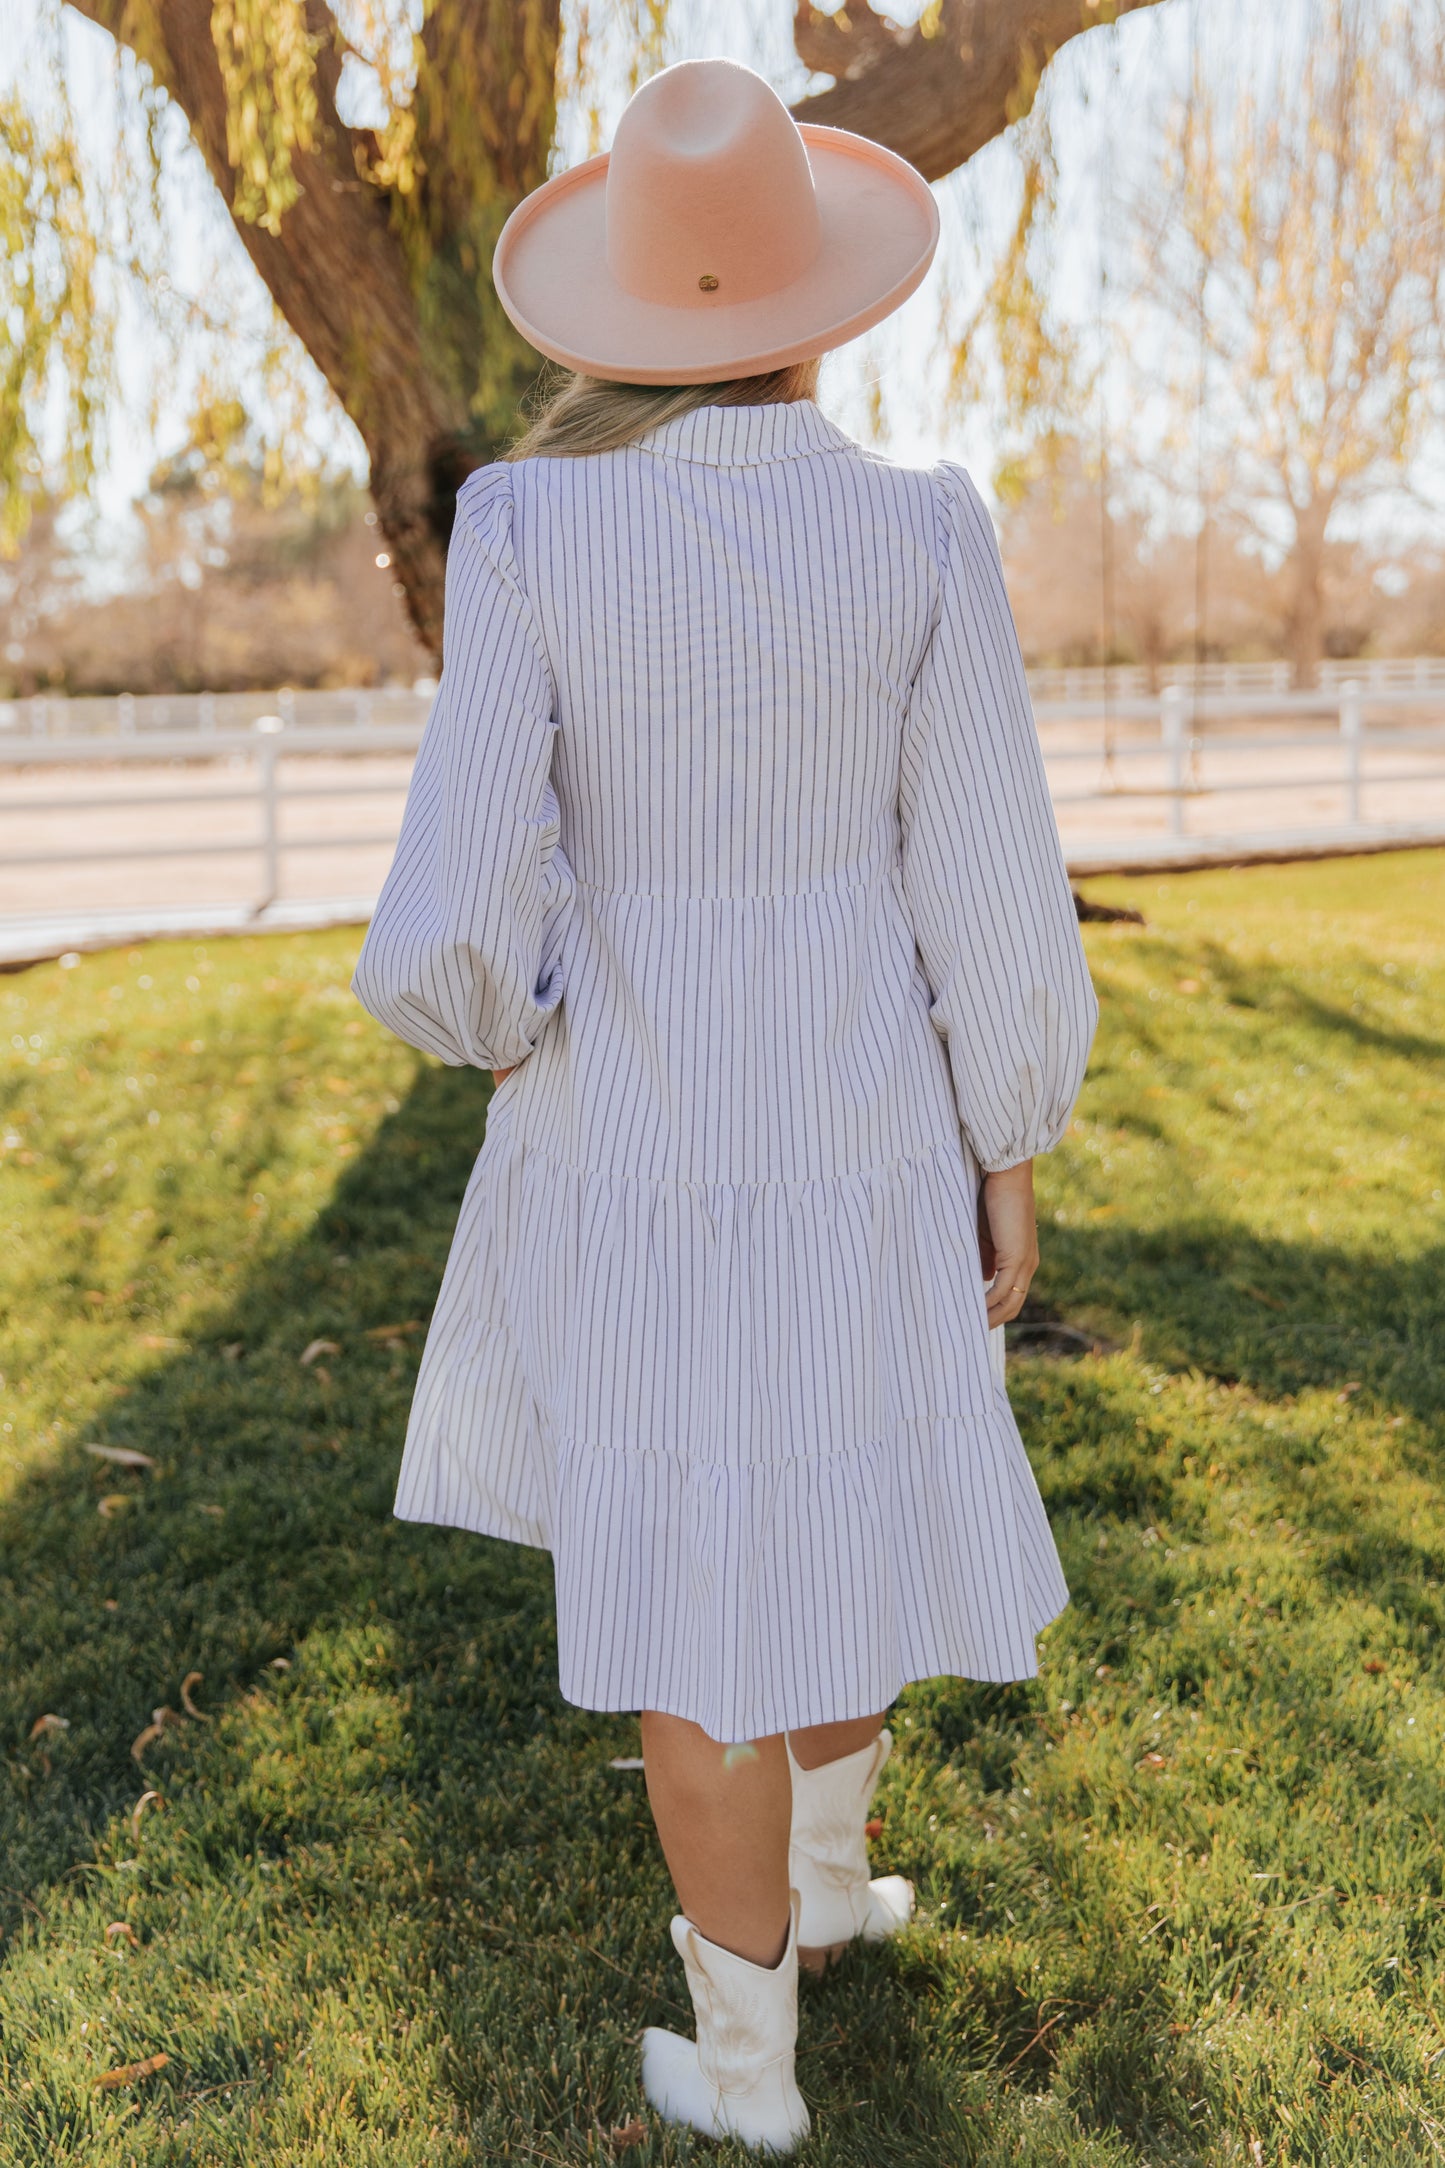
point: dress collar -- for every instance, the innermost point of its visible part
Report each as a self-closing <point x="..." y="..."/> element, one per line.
<point x="746" y="436"/>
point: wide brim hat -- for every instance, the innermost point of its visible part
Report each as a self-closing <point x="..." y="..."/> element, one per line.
<point x="718" y="238"/>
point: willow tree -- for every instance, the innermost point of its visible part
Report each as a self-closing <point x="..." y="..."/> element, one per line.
<point x="375" y="242"/>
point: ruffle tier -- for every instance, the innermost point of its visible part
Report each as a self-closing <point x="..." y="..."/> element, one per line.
<point x="756" y="1424"/>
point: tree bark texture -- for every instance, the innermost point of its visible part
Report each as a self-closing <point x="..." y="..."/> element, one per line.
<point x="936" y="99"/>
<point x="410" y="339"/>
<point x="1305" y="623"/>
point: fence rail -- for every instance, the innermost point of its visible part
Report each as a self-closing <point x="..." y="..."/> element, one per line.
<point x="1213" y="680"/>
<point x="1127" y="689"/>
<point x="264" y="751"/>
<point x="213" y="715"/>
<point x="1174" y="759"/>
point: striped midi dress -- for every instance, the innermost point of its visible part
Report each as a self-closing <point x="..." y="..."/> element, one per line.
<point x="729" y="828"/>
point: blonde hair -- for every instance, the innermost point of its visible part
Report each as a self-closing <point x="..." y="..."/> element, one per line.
<point x="586" y="414"/>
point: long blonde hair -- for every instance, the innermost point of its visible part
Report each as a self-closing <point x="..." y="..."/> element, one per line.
<point x="585" y="414"/>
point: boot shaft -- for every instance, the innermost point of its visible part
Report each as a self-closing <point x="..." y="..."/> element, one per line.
<point x="747" y="2015"/>
<point x="830" y="1808"/>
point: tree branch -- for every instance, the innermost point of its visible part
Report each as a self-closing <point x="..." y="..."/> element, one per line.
<point x="938" y="99"/>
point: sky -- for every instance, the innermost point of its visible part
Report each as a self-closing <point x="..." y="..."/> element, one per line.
<point x="1107" y="94"/>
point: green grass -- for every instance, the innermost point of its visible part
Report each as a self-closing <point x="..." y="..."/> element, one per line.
<point x="1182" y="1898"/>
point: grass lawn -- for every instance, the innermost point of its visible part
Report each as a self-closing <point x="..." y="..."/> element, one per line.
<point x="1182" y="1898"/>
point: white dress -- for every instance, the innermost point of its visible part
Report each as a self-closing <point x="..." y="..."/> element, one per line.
<point x="729" y="825"/>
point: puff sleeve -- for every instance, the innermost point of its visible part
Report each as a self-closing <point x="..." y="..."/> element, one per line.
<point x="462" y="956"/>
<point x="984" y="880"/>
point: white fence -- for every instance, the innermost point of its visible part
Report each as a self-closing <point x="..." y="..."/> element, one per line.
<point x="1230" y="680"/>
<point x="213" y="715"/>
<point x="257" y="765"/>
<point x="1136" y="779"/>
<point x="1358" y="750"/>
<point x="1075" y="692"/>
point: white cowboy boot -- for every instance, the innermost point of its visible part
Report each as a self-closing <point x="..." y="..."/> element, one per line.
<point x="828" y="1858"/>
<point x="736" y="2079"/>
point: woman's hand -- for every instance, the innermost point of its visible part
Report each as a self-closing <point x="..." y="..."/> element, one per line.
<point x="1008" y="1238"/>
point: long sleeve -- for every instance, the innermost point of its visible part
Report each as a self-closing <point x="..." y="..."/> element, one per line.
<point x="462" y="957"/>
<point x="983" y="871"/>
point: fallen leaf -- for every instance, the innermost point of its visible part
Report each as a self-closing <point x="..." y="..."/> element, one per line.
<point x="393" y="1332"/>
<point x="112" y="1503"/>
<point x="627" y="1761"/>
<point x="127" y="2073"/>
<point x="1373" y="1665"/>
<point x="233" y="1350"/>
<point x="109" y="1603"/>
<point x="46" y="1724"/>
<point x="279" y="1663"/>
<point x="319" y="1347"/>
<point x="215" y="1511"/>
<point x="627" y="2134"/>
<point x="122" y="1456"/>
<point x="158" y="1339"/>
<point x="319" y="1370"/>
<point x="1153" y="1761"/>
<point x="873" y="1830"/>
<point x="1345" y="1391"/>
<point x="122" y="1927"/>
<point x="146" y="1799"/>
<point x="160" y="1718"/>
<point x="1188" y="986"/>
<point x="1257" y="1294"/>
<point x="192" y="1678"/>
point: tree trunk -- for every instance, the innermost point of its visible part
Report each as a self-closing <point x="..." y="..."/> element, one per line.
<point x="1305" y="620"/>
<point x="392" y="299"/>
<point x="340" y="274"/>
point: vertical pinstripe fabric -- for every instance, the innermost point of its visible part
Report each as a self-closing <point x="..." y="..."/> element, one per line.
<point x="729" y="827"/>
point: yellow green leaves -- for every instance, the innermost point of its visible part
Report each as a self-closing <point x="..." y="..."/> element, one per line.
<point x="267" y="61"/>
<point x="54" y="329"/>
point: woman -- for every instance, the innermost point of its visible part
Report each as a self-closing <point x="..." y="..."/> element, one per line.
<point x="729" y="849"/>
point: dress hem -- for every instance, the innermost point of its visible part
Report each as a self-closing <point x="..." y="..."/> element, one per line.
<point x="619" y="1702"/>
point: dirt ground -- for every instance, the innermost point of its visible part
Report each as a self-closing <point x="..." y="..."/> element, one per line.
<point x="190" y="832"/>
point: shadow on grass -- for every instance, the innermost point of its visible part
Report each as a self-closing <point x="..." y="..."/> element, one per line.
<point x="266" y="1532"/>
<point x="1280" y="1317"/>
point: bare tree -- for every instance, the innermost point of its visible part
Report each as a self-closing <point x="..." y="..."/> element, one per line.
<point x="1293" y="250"/>
<point x="1054" y="535"/>
<point x="376" y="242"/>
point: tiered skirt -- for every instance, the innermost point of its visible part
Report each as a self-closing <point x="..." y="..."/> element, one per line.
<point x="760" y="1427"/>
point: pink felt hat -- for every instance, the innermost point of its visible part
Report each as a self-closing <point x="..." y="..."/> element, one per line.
<point x="716" y="239"/>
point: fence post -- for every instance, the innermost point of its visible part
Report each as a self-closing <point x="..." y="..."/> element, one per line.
<point x="1172" y="707"/>
<point x="1352" y="728"/>
<point x="125" y="714"/>
<point x="206" y="715"/>
<point x="39" y="715"/>
<point x="270" y="728"/>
